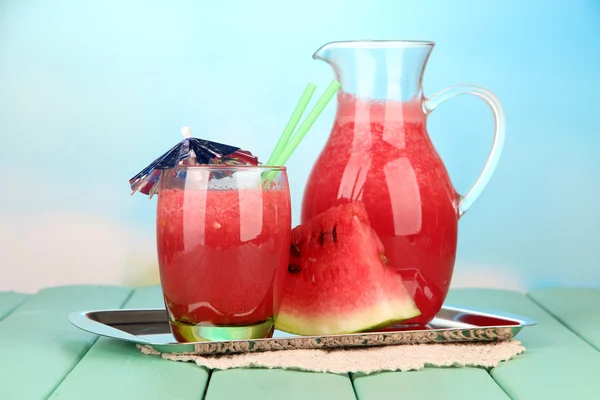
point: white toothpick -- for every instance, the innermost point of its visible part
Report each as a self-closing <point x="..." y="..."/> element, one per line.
<point x="186" y="132"/>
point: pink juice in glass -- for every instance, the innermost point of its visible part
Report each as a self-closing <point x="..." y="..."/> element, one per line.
<point x="223" y="253"/>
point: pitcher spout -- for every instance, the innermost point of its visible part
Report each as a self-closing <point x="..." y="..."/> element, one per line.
<point x="378" y="69"/>
<point x="323" y="52"/>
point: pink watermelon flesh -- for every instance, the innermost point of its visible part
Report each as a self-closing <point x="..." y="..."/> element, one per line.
<point x="338" y="281"/>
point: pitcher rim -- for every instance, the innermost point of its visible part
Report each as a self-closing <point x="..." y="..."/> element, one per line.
<point x="381" y="43"/>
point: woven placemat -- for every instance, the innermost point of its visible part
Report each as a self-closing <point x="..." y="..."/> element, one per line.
<point x="365" y="360"/>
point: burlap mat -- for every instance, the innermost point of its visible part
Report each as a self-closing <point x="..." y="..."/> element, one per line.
<point x="365" y="360"/>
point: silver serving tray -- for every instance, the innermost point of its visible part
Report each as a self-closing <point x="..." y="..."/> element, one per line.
<point x="150" y="328"/>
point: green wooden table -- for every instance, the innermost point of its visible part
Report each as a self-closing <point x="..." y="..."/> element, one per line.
<point x="44" y="356"/>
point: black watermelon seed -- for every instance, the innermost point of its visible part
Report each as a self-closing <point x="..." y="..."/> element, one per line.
<point x="294" y="268"/>
<point x="322" y="238"/>
<point x="334" y="233"/>
<point x="295" y="250"/>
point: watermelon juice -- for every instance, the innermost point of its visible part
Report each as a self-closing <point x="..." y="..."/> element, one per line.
<point x="379" y="154"/>
<point x="223" y="252"/>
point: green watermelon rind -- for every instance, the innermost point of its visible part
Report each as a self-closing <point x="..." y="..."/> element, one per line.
<point x="404" y="311"/>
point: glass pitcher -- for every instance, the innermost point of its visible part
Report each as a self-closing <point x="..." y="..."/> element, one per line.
<point x="379" y="153"/>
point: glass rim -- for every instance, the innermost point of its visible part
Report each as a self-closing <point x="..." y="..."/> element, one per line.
<point x="231" y="167"/>
<point x="382" y="43"/>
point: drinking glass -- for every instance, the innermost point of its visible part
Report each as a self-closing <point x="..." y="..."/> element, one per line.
<point x="223" y="239"/>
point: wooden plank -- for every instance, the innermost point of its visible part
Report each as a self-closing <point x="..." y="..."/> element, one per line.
<point x="127" y="373"/>
<point x="39" y="346"/>
<point x="429" y="383"/>
<point x="450" y="383"/>
<point x="276" y="384"/>
<point x="133" y="375"/>
<point x="576" y="308"/>
<point x="9" y="301"/>
<point x="557" y="364"/>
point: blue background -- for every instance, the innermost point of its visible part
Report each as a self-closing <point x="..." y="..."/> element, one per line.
<point x="90" y="92"/>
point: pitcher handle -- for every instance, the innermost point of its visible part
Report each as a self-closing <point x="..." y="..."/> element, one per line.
<point x="430" y="104"/>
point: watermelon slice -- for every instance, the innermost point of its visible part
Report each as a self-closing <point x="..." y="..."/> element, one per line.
<point x="338" y="281"/>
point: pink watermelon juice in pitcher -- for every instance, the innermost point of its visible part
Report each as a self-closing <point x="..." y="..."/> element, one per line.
<point x="405" y="188"/>
<point x="379" y="154"/>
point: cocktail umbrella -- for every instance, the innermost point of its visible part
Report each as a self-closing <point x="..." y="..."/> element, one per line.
<point x="190" y="151"/>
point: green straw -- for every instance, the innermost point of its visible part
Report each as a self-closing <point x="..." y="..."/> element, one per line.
<point x="293" y="122"/>
<point x="307" y="124"/>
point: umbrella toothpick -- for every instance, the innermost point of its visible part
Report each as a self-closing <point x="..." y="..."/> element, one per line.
<point x="190" y="151"/>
